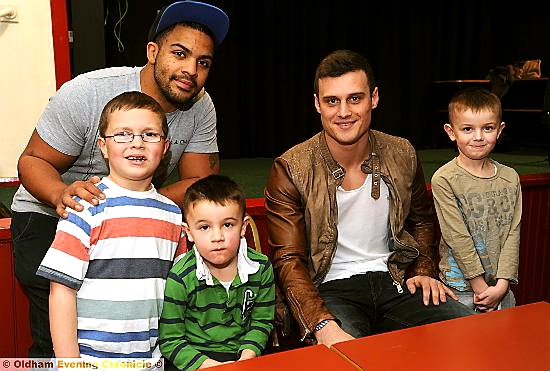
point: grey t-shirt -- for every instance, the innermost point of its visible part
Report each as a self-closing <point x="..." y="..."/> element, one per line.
<point x="70" y="123"/>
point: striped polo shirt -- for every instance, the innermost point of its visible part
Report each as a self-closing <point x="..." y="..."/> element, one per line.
<point x="117" y="256"/>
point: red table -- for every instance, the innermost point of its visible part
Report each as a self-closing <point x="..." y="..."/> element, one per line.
<point x="510" y="339"/>
<point x="314" y="358"/>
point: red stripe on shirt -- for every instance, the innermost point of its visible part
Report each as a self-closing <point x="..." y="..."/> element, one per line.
<point x="136" y="227"/>
<point x="71" y="245"/>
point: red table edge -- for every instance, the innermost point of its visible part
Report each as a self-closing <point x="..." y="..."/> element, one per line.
<point x="346" y="358"/>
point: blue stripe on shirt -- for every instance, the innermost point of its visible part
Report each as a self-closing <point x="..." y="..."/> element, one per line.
<point x="130" y="201"/>
<point x="117" y="337"/>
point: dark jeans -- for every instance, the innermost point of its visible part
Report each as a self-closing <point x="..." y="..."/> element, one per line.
<point x="369" y="304"/>
<point x="32" y="235"/>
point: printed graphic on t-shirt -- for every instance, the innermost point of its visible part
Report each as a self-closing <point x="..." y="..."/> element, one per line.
<point x="485" y="215"/>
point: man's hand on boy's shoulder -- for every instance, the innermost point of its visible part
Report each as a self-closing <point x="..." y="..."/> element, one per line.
<point x="85" y="189"/>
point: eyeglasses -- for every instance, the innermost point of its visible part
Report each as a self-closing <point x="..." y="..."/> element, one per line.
<point x="126" y="137"/>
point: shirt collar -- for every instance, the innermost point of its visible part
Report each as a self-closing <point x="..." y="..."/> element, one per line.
<point x="245" y="265"/>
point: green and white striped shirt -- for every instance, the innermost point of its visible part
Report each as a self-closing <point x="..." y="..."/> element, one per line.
<point x="198" y="316"/>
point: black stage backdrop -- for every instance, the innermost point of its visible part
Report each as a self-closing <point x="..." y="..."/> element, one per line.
<point x="262" y="77"/>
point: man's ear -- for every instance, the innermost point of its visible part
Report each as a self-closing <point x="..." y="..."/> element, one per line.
<point x="450" y="132"/>
<point x="375" y="97"/>
<point x="152" y="51"/>
<point x="317" y="103"/>
<point x="187" y="231"/>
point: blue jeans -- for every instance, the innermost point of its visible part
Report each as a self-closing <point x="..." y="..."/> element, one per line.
<point x="32" y="235"/>
<point x="369" y="303"/>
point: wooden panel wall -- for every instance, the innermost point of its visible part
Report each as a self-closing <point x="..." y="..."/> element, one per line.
<point x="534" y="254"/>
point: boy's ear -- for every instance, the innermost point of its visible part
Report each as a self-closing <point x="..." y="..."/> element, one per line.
<point x="449" y="130"/>
<point x="246" y="221"/>
<point x="166" y="145"/>
<point x="187" y="231"/>
<point x="500" y="128"/>
<point x="103" y="147"/>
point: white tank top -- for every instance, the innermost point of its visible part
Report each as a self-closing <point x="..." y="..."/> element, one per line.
<point x="363" y="232"/>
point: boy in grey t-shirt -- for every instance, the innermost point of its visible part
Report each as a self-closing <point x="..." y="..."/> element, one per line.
<point x="478" y="203"/>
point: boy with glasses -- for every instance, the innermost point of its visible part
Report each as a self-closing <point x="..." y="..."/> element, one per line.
<point x="108" y="263"/>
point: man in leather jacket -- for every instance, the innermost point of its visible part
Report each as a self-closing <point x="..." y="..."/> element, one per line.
<point x="351" y="225"/>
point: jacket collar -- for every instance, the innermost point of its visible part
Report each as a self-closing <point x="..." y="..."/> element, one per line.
<point x="370" y="165"/>
<point x="334" y="167"/>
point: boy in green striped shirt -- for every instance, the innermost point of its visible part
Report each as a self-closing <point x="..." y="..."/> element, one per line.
<point x="220" y="296"/>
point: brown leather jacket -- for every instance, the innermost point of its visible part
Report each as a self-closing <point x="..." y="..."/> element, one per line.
<point x="302" y="214"/>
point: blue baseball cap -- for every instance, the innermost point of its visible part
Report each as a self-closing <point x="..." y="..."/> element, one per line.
<point x="192" y="11"/>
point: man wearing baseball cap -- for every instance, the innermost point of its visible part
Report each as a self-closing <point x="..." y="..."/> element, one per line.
<point x="62" y="161"/>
